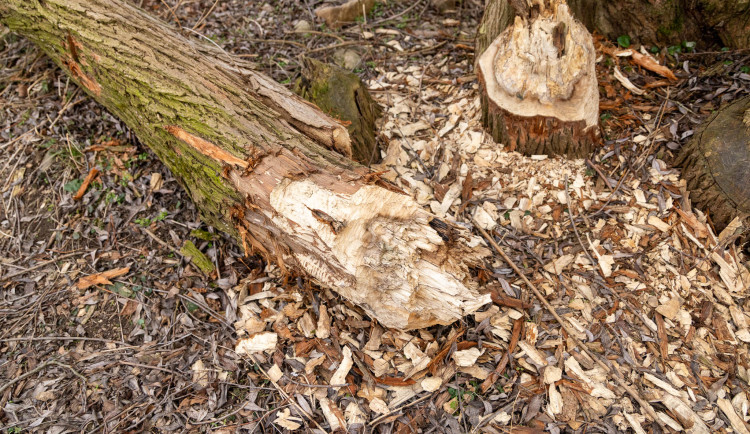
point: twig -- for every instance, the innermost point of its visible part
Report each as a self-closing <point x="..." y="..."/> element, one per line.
<point x="220" y="418"/>
<point x="652" y="134"/>
<point x="203" y="17"/>
<point x="573" y="223"/>
<point x="599" y="171"/>
<point x="39" y="265"/>
<point x="612" y="194"/>
<point x="315" y="32"/>
<point x="177" y="20"/>
<point x="85" y="184"/>
<point x="393" y="17"/>
<point x="339" y="45"/>
<point x="203" y="307"/>
<point x="145" y="366"/>
<point x="277" y="41"/>
<point x="60" y="338"/>
<point x="282" y="392"/>
<point x="382" y="417"/>
<point x="162" y="242"/>
<point x="571" y="333"/>
<point x="40" y="368"/>
<point x="322" y="386"/>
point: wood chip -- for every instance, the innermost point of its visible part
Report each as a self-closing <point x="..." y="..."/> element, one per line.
<point x="258" y="343"/>
<point x="466" y="357"/>
<point x="737" y="423"/>
<point x="339" y="377"/>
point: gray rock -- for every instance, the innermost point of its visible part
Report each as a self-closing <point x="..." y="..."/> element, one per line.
<point x="347" y="59"/>
<point x="302" y="26"/>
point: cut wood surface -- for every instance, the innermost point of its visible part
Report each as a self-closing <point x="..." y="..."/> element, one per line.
<point x="715" y="164"/>
<point x="538" y="84"/>
<point x="260" y="162"/>
<point x="648" y="22"/>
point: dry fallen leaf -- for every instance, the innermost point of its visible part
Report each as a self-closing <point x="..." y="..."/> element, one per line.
<point x="651" y="64"/>
<point x="129" y="308"/>
<point x="101" y="278"/>
<point x="286" y="420"/>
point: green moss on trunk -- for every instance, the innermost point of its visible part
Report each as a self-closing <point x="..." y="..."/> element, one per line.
<point x="150" y="77"/>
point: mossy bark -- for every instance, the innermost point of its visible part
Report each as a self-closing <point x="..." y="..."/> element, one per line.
<point x="260" y="162"/>
<point x="342" y="95"/>
<point x="716" y="164"/>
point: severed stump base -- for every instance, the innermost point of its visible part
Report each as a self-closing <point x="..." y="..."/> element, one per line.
<point x="716" y="164"/>
<point x="538" y="84"/>
<point x="539" y="134"/>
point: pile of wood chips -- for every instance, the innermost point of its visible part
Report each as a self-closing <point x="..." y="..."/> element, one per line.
<point x="641" y="279"/>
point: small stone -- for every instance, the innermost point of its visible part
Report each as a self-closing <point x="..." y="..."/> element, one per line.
<point x="302" y="26"/>
<point x="347" y="59"/>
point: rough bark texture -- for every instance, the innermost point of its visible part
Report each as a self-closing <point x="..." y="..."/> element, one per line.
<point x="342" y="94"/>
<point x="259" y="161"/>
<point x="538" y="84"/>
<point x="659" y="22"/>
<point x="716" y="164"/>
<point x="498" y="15"/>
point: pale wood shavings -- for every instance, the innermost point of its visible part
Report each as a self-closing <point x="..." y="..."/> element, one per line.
<point x="644" y="284"/>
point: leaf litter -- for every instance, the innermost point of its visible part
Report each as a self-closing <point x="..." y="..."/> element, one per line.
<point x="650" y="297"/>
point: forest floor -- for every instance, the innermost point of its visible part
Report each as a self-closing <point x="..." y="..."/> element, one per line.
<point x="107" y="325"/>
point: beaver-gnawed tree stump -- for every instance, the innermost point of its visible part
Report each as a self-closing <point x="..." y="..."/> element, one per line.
<point x="716" y="164"/>
<point x="538" y="84"/>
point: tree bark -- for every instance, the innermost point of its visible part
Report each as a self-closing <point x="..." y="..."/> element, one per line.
<point x="656" y="22"/>
<point x="260" y="162"/>
<point x="715" y="164"/>
<point x="342" y="94"/>
<point x="538" y="84"/>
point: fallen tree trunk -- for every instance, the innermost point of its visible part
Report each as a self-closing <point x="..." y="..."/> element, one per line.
<point x="538" y="84"/>
<point x="715" y="164"/>
<point x="260" y="162"/>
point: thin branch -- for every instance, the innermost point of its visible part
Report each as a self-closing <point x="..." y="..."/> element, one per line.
<point x="571" y="333"/>
<point x="38" y="369"/>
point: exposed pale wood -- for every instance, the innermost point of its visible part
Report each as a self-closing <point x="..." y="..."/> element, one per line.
<point x="649" y="22"/>
<point x="260" y="162"/>
<point x="538" y="84"/>
<point x="336" y="16"/>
